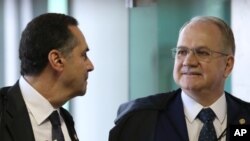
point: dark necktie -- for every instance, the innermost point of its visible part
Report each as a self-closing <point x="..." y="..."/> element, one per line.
<point x="56" y="127"/>
<point x="207" y="133"/>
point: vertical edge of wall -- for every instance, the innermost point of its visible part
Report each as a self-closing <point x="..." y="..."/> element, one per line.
<point x="143" y="51"/>
<point x="1" y="45"/>
<point x="240" y="24"/>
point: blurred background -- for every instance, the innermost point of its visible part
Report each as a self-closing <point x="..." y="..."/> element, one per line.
<point x="130" y="42"/>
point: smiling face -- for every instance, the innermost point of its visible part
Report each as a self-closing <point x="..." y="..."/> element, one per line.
<point x="194" y="75"/>
<point x="77" y="65"/>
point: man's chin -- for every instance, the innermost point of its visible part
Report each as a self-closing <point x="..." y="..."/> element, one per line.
<point x="81" y="93"/>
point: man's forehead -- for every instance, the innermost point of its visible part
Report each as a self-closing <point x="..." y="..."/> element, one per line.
<point x="201" y="25"/>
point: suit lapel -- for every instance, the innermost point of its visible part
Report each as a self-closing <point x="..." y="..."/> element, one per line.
<point x="175" y="114"/>
<point x="16" y="117"/>
<point x="237" y="111"/>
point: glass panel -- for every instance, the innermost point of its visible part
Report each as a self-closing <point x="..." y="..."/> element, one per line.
<point x="154" y="29"/>
<point x="58" y="6"/>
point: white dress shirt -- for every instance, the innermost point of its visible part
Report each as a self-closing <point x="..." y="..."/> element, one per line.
<point x="194" y="125"/>
<point x="39" y="110"/>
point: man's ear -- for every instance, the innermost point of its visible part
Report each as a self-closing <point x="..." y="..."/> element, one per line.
<point x="55" y="58"/>
<point x="229" y="65"/>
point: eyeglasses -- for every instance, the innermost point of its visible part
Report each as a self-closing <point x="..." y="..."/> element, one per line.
<point x="201" y="53"/>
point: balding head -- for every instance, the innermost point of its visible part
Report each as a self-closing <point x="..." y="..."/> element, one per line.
<point x="226" y="31"/>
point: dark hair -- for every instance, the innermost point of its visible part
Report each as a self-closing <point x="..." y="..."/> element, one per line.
<point x="41" y="35"/>
<point x="226" y="31"/>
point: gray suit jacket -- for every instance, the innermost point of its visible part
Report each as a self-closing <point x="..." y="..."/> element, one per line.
<point x="15" y="121"/>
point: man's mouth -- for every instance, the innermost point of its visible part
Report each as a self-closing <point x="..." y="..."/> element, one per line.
<point x="191" y="73"/>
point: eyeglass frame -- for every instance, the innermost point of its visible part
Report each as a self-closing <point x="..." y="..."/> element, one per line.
<point x="194" y="51"/>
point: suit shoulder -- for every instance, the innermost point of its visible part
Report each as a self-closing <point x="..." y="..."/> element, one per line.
<point x="238" y="100"/>
<point x="152" y="102"/>
<point x="4" y="90"/>
<point x="149" y="102"/>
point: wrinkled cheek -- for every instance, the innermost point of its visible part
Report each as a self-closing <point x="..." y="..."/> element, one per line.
<point x="186" y="83"/>
<point x="176" y="74"/>
<point x="177" y="78"/>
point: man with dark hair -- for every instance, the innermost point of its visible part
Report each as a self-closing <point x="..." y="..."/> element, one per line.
<point x="54" y="69"/>
<point x="200" y="110"/>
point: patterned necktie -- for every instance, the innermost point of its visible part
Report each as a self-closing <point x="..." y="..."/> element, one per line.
<point x="56" y="127"/>
<point x="207" y="133"/>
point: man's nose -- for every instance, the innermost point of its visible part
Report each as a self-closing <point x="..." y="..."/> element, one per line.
<point x="190" y="58"/>
<point x="90" y="66"/>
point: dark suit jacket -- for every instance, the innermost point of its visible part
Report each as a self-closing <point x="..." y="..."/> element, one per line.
<point x="137" y="119"/>
<point x="15" y="121"/>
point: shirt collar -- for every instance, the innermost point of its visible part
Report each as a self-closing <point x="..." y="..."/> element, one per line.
<point x="38" y="106"/>
<point x="192" y="108"/>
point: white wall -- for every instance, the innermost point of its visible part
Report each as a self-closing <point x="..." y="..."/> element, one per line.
<point x="14" y="23"/>
<point x="241" y="29"/>
<point x="105" y="26"/>
<point x="11" y="65"/>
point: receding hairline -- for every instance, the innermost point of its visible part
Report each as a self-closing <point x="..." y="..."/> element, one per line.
<point x="226" y="32"/>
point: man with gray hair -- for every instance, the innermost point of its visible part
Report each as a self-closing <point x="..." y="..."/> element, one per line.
<point x="200" y="110"/>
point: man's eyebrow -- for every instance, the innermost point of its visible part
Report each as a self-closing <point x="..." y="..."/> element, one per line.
<point x="202" y="46"/>
<point x="181" y="47"/>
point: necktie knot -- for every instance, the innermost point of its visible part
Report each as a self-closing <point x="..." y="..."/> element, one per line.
<point x="206" y="115"/>
<point x="207" y="132"/>
<point x="55" y="119"/>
